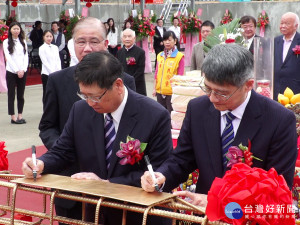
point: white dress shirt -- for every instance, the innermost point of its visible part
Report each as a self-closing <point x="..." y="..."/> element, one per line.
<point x="18" y="60"/>
<point x="176" y="30"/>
<point x="286" y="46"/>
<point x="117" y="114"/>
<point x="112" y="37"/>
<point x="49" y="55"/>
<point x="161" y="31"/>
<point x="249" y="41"/>
<point x="74" y="61"/>
<point x="238" y="113"/>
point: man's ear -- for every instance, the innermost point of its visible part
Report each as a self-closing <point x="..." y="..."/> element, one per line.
<point x="249" y="84"/>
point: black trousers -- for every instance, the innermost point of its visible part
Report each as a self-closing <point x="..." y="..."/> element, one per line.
<point x="13" y="82"/>
<point x="44" y="81"/>
<point x="165" y="101"/>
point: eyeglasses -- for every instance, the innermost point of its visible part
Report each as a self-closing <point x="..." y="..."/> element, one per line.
<point x="219" y="96"/>
<point x="93" y="43"/>
<point x="92" y="98"/>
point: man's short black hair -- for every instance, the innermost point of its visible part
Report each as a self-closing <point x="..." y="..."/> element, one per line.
<point x="248" y="19"/>
<point x="99" y="67"/>
<point x="208" y="23"/>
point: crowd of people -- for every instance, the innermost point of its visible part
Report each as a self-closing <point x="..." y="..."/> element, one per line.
<point x="106" y="86"/>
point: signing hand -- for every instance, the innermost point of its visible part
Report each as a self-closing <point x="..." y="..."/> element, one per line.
<point x="86" y="176"/>
<point x="148" y="183"/>
<point x="28" y="167"/>
<point x="195" y="199"/>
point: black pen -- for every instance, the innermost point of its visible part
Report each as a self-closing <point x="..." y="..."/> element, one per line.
<point x="151" y="172"/>
<point x="34" y="161"/>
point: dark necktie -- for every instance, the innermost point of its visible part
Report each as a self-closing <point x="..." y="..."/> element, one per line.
<point x="110" y="135"/>
<point x="227" y="137"/>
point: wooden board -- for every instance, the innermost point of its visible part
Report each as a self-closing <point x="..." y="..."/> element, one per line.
<point x="97" y="188"/>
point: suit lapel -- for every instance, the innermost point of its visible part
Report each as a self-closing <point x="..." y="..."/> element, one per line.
<point x="290" y="52"/>
<point x="250" y="124"/>
<point x="126" y="126"/>
<point x="212" y="125"/>
<point x="99" y="144"/>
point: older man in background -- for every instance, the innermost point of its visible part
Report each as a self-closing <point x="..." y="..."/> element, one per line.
<point x="286" y="60"/>
<point x="132" y="58"/>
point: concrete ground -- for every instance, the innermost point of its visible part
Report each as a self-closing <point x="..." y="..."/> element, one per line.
<point x="22" y="136"/>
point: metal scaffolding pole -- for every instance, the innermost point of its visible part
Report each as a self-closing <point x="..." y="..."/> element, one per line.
<point x="77" y="7"/>
<point x="193" y="5"/>
<point x="142" y="4"/>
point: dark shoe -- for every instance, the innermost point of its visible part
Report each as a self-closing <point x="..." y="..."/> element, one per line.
<point x="15" y="122"/>
<point x="22" y="120"/>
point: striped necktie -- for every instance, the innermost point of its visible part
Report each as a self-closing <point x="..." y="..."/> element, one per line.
<point x="110" y="135"/>
<point x="227" y="137"/>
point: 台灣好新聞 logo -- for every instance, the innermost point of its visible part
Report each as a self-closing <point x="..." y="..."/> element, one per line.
<point x="233" y="210"/>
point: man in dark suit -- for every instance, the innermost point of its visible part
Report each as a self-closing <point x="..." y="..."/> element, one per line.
<point x="132" y="58"/>
<point x="158" y="38"/>
<point x="286" y="62"/>
<point x="84" y="138"/>
<point x="271" y="128"/>
<point x="248" y="24"/>
<point x="89" y="36"/>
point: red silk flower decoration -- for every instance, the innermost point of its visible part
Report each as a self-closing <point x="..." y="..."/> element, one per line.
<point x="3" y="157"/>
<point x="263" y="197"/>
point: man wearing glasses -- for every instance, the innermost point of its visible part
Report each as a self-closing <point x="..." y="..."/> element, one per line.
<point x="230" y="114"/>
<point x="97" y="125"/>
<point x="89" y="35"/>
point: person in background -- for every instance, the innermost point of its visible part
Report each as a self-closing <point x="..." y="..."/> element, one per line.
<point x="107" y="115"/>
<point x="106" y="26"/>
<point x="73" y="57"/>
<point x="248" y="24"/>
<point x="132" y="58"/>
<point x="170" y="62"/>
<point x="112" y="37"/>
<point x="15" y="51"/>
<point x="127" y="25"/>
<point x="62" y="25"/>
<point x="59" y="41"/>
<point x="286" y="61"/>
<point x="89" y="35"/>
<point x="36" y="35"/>
<point x="176" y="29"/>
<point x="198" y="53"/>
<point x="231" y="113"/>
<point x="49" y="55"/>
<point x="158" y="38"/>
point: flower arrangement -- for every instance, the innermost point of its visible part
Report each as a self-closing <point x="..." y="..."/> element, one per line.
<point x="225" y="34"/>
<point x="3" y="31"/>
<point x="132" y="151"/>
<point x="3" y="157"/>
<point x="240" y="154"/>
<point x="263" y="19"/>
<point x="70" y="25"/>
<point x="227" y="17"/>
<point x="130" y="61"/>
<point x="142" y="26"/>
<point x="259" y="195"/>
<point x="190" y="24"/>
<point x="10" y="19"/>
<point x="296" y="50"/>
<point x="64" y="17"/>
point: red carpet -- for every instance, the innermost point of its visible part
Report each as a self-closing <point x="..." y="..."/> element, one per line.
<point x="33" y="77"/>
<point x="24" y="200"/>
